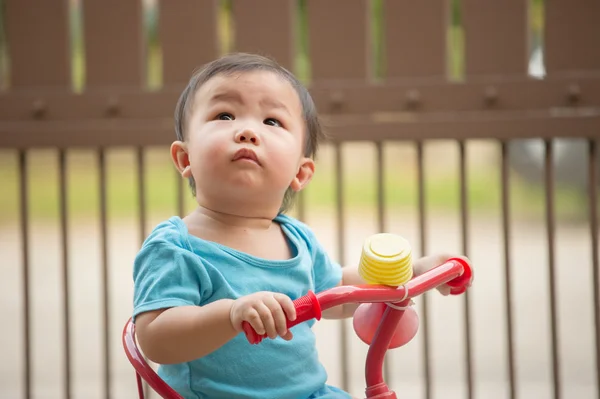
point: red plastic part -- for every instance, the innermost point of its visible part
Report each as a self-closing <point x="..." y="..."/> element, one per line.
<point x="380" y="391"/>
<point x="307" y="308"/>
<point x="367" y="319"/>
<point x="142" y="368"/>
<point x="460" y="284"/>
<point x="440" y="275"/>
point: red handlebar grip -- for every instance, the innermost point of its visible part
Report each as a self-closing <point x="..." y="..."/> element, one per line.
<point x="307" y="308"/>
<point x="460" y="283"/>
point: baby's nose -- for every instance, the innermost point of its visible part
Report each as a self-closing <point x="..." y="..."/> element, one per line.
<point x="247" y="136"/>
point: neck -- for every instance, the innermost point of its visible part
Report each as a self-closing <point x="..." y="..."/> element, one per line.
<point x="223" y="219"/>
<point x="234" y="209"/>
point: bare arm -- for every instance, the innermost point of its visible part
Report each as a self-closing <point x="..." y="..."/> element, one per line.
<point x="350" y="276"/>
<point x="427" y="263"/>
<point x="184" y="333"/>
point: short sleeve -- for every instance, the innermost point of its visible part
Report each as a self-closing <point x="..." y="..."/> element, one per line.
<point x="327" y="273"/>
<point x="166" y="276"/>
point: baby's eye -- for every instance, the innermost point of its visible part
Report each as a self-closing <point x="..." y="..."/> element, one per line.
<point x="272" y="122"/>
<point x="225" y="116"/>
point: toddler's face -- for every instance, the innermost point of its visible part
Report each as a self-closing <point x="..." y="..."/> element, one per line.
<point x="245" y="138"/>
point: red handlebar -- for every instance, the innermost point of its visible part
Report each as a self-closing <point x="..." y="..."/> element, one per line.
<point x="461" y="283"/>
<point x="455" y="272"/>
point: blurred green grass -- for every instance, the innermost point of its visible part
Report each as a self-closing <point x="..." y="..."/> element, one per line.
<point x="442" y="190"/>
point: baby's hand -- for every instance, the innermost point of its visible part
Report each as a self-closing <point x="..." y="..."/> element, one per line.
<point x="266" y="312"/>
<point x="427" y="263"/>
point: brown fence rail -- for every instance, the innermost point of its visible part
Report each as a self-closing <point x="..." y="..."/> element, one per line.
<point x="97" y="76"/>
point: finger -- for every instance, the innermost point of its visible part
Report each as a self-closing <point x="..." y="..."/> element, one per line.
<point x="255" y="321"/>
<point x="288" y="335"/>
<point x="267" y="319"/>
<point x="287" y="305"/>
<point x="278" y="315"/>
<point x="444" y="289"/>
<point x="459" y="290"/>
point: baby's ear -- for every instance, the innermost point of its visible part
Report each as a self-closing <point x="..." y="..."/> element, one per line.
<point x="306" y="170"/>
<point x="180" y="158"/>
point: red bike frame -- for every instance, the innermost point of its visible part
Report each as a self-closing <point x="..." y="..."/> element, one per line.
<point x="455" y="272"/>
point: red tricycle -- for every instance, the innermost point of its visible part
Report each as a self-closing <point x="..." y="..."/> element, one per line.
<point x="384" y="320"/>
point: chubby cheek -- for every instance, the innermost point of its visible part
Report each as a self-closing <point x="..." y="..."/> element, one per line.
<point x="287" y="166"/>
<point x="205" y="156"/>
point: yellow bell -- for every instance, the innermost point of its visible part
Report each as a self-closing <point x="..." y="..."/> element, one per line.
<point x="386" y="259"/>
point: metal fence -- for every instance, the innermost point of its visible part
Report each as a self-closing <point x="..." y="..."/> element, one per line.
<point x="104" y="74"/>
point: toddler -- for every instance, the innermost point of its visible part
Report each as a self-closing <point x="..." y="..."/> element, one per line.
<point x="247" y="133"/>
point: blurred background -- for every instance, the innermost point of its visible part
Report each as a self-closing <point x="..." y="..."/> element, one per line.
<point x="462" y="125"/>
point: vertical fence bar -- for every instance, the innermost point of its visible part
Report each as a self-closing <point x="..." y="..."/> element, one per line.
<point x="186" y="18"/>
<point x="403" y="20"/>
<point x="24" y="196"/>
<point x="507" y="268"/>
<point x="329" y="35"/>
<point x="141" y="185"/>
<point x="104" y="276"/>
<point x="113" y="56"/>
<point x="339" y="191"/>
<point x="423" y="237"/>
<point x="62" y="182"/>
<point x="593" y="204"/>
<point x="381" y="220"/>
<point x="37" y="34"/>
<point x="495" y="37"/>
<point x="571" y="30"/>
<point x="464" y="221"/>
<point x="551" y="227"/>
<point x="380" y="186"/>
<point x="279" y="15"/>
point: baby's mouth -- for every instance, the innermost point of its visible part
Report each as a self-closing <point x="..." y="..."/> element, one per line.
<point x="245" y="154"/>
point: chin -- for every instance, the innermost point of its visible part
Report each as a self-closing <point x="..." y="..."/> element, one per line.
<point x="248" y="183"/>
